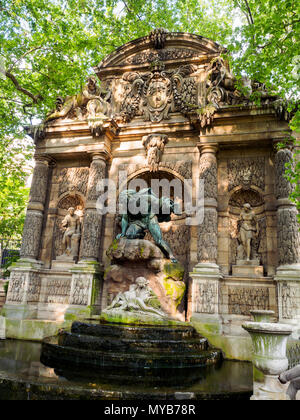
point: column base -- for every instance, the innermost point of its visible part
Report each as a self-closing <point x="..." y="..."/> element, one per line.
<point x="270" y="390"/>
<point x="288" y="272"/>
<point x="27" y="263"/>
<point x="245" y="268"/>
<point x="206" y="270"/>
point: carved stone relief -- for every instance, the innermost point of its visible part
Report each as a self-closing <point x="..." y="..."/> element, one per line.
<point x="72" y="179"/>
<point x="206" y="296"/>
<point x="221" y="90"/>
<point x="283" y="187"/>
<point x="208" y="173"/>
<point x="97" y="173"/>
<point x="16" y="287"/>
<point x="246" y="172"/>
<point x="34" y="289"/>
<point x="58" y="290"/>
<point x="32" y="234"/>
<point x="155" y="94"/>
<point x="243" y="299"/>
<point x="154" y="145"/>
<point x="207" y="237"/>
<point x="239" y="198"/>
<point x="288" y="236"/>
<point x="80" y="290"/>
<point x="289" y="300"/>
<point x="158" y="38"/>
<point x="92" y="102"/>
<point x="39" y="183"/>
<point x="163" y="55"/>
<point x="91" y="235"/>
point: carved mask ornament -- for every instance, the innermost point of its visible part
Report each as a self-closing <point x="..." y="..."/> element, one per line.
<point x="157" y="97"/>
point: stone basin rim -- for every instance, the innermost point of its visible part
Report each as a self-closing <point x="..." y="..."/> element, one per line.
<point x="268" y="328"/>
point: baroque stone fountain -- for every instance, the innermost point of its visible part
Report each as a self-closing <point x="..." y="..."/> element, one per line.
<point x="143" y="327"/>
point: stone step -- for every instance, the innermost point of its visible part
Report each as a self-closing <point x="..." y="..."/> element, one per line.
<point x="66" y="356"/>
<point x="108" y="343"/>
<point x="135" y="331"/>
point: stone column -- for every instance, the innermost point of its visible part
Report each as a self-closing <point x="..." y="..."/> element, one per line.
<point x="86" y="287"/>
<point x="206" y="275"/>
<point x="92" y="224"/>
<point x="32" y="232"/>
<point x="25" y="282"/>
<point x="288" y="239"/>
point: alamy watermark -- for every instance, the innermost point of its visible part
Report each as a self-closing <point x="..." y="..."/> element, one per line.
<point x="161" y="197"/>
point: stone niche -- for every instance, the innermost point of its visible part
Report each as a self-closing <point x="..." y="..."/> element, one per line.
<point x="167" y="108"/>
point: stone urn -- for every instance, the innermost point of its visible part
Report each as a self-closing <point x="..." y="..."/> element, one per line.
<point x="269" y="346"/>
<point x="269" y="358"/>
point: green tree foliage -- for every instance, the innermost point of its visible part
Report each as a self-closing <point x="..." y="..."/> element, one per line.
<point x="266" y="47"/>
<point x="15" y="158"/>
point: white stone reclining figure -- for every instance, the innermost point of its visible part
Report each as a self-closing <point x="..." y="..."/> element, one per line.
<point x="292" y="376"/>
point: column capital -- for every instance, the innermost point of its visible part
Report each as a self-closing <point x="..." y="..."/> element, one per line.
<point x="103" y="155"/>
<point x="44" y="159"/>
<point x="208" y="148"/>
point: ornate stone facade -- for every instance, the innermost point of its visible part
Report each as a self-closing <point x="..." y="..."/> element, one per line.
<point x="173" y="96"/>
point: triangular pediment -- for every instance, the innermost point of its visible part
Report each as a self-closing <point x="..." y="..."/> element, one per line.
<point x="176" y="46"/>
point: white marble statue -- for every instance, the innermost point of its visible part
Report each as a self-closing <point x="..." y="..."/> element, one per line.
<point x="136" y="299"/>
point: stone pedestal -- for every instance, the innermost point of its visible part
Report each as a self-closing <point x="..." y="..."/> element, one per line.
<point x="206" y="296"/>
<point x="244" y="268"/>
<point x="63" y="263"/>
<point x="269" y="358"/>
<point x="86" y="288"/>
<point x="24" y="290"/>
<point x="2" y="328"/>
